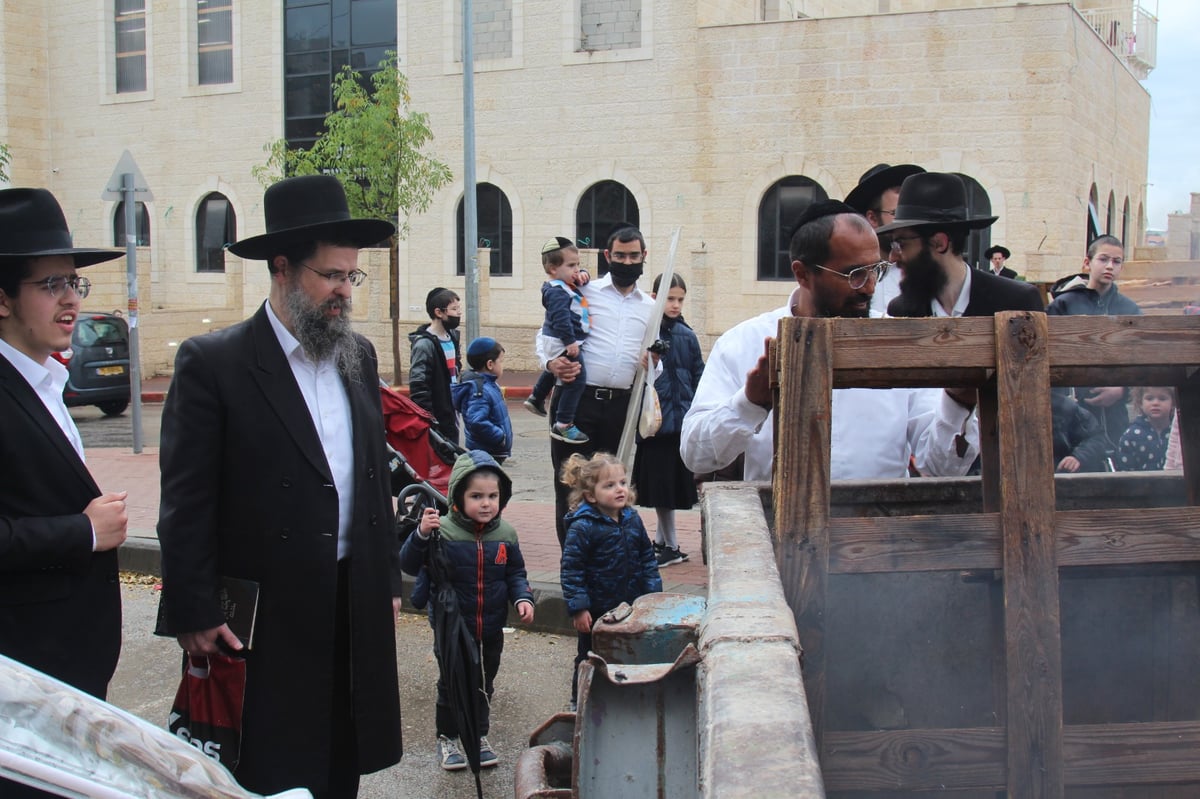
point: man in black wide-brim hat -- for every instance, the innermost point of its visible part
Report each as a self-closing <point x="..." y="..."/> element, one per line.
<point x="274" y="470"/>
<point x="60" y="600"/>
<point x="929" y="235"/>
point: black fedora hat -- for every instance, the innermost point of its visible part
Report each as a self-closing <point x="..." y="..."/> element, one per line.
<point x="875" y="181"/>
<point x="996" y="248"/>
<point x="32" y="224"/>
<point x="934" y="198"/>
<point x="309" y="208"/>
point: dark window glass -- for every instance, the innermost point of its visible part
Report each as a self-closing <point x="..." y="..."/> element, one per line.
<point x="216" y="227"/>
<point x="1125" y="225"/>
<point x="142" y="220"/>
<point x="601" y="208"/>
<point x="778" y="211"/>
<point x="978" y="204"/>
<point x="214" y="42"/>
<point x="128" y="6"/>
<point x="494" y="228"/>
<point x="1110" y="220"/>
<point x="321" y="37"/>
<point x="1093" y="216"/>
<point x="129" y="26"/>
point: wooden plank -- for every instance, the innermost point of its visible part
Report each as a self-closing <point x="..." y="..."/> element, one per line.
<point x="914" y="759"/>
<point x="1152" y="753"/>
<point x="1107" y="340"/>
<point x="1120" y="375"/>
<point x="801" y="489"/>
<point x="1110" y="537"/>
<point x="947" y="542"/>
<point x="1033" y="650"/>
<point x="1188" y="398"/>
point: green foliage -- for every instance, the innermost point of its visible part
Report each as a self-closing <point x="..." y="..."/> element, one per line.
<point x="373" y="143"/>
<point x="5" y="160"/>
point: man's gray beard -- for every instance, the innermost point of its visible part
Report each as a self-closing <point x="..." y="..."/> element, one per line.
<point x="325" y="337"/>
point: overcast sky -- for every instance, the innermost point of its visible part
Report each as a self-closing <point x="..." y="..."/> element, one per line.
<point x="1174" y="88"/>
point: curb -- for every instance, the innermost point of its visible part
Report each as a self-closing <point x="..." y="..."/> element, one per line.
<point x="142" y="556"/>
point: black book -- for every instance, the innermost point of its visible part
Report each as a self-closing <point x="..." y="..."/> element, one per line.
<point x="239" y="605"/>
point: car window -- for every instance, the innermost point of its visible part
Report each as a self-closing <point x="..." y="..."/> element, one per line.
<point x="99" y="332"/>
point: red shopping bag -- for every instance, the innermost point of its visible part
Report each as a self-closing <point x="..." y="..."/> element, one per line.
<point x="207" y="712"/>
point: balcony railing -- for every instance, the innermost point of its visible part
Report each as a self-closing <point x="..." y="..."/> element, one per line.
<point x="1130" y="31"/>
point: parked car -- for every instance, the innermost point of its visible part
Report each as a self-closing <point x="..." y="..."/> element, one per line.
<point x="98" y="363"/>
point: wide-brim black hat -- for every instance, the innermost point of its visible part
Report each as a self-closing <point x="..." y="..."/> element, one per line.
<point x="875" y="181"/>
<point x="934" y="198"/>
<point x="309" y="208"/>
<point x="996" y="248"/>
<point x="32" y="225"/>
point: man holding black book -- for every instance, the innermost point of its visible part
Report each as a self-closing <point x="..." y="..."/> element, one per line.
<point x="274" y="471"/>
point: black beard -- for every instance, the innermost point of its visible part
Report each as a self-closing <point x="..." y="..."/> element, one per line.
<point x="923" y="278"/>
<point x="325" y="337"/>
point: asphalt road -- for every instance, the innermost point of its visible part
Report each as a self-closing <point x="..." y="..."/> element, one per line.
<point x="532" y="685"/>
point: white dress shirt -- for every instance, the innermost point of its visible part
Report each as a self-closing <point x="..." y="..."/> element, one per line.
<point x="329" y="407"/>
<point x="613" y="348"/>
<point x="960" y="305"/>
<point x="873" y="430"/>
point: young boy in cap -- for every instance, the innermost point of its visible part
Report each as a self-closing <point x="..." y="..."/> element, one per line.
<point x="478" y="399"/>
<point x="565" y="328"/>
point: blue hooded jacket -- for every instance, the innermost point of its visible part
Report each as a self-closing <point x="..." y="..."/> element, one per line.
<point x="605" y="562"/>
<point x="488" y="568"/>
<point x="478" y="398"/>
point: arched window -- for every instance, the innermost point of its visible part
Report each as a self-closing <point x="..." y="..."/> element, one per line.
<point x="978" y="204"/>
<point x="1125" y="227"/>
<point x="494" y="228"/>
<point x="600" y="209"/>
<point x="1110" y="221"/>
<point x="778" y="211"/>
<point x="141" y="220"/>
<point x="1093" y="216"/>
<point x="216" y="226"/>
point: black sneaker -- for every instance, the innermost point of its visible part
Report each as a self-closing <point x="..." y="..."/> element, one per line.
<point x="669" y="557"/>
<point x="534" y="406"/>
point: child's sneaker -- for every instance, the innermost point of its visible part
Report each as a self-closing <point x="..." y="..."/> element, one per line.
<point x="487" y="755"/>
<point x="447" y="752"/>
<point x="669" y="557"/>
<point x="534" y="406"/>
<point x="569" y="433"/>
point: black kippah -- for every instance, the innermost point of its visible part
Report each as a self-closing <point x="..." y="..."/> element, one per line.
<point x="818" y="210"/>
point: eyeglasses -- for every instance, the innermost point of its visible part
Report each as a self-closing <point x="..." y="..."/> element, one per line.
<point x="858" y="276"/>
<point x="898" y="242"/>
<point x="882" y="212"/>
<point x="355" y="276"/>
<point x="626" y="257"/>
<point x="1105" y="260"/>
<point x="57" y="285"/>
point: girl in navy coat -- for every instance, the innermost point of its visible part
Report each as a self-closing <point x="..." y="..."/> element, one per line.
<point x="662" y="481"/>
<point x="607" y="558"/>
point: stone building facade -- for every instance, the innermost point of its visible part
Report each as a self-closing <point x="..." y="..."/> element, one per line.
<point x="715" y="116"/>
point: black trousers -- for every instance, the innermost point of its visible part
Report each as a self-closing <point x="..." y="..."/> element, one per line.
<point x="343" y="755"/>
<point x="601" y="415"/>
<point x="444" y="715"/>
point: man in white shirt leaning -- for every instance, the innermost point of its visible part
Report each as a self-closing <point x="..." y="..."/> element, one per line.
<point x="835" y="258"/>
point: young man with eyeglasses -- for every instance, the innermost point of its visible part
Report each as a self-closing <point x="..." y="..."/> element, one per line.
<point x="876" y="197"/>
<point x="1094" y="292"/>
<point x="835" y="259"/>
<point x="274" y="470"/>
<point x="60" y="600"/>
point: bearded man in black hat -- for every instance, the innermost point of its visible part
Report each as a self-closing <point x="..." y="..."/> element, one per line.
<point x="929" y="236"/>
<point x="875" y="197"/>
<point x="60" y="601"/>
<point x="273" y="470"/>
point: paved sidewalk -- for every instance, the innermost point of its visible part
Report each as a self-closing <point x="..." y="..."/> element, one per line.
<point x="531" y="511"/>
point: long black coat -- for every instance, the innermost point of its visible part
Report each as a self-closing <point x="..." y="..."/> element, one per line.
<point x="247" y="492"/>
<point x="60" y="603"/>
<point x="989" y="295"/>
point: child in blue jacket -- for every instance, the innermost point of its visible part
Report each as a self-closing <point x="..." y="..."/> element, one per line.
<point x="478" y="399"/>
<point x="607" y="557"/>
<point x="489" y="573"/>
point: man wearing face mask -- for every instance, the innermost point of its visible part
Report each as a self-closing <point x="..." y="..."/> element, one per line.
<point x="619" y="312"/>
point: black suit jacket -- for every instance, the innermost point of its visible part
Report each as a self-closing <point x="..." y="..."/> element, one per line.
<point x="60" y="603"/>
<point x="247" y="492"/>
<point x="989" y="294"/>
<point x="1005" y="272"/>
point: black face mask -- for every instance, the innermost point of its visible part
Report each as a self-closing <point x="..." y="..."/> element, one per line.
<point x="625" y="275"/>
<point x="451" y="322"/>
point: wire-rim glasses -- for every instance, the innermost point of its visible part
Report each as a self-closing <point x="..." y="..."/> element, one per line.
<point x="859" y="275"/>
<point x="57" y="284"/>
<point x="355" y="276"/>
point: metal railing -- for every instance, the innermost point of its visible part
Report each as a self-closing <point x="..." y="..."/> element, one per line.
<point x="1130" y="32"/>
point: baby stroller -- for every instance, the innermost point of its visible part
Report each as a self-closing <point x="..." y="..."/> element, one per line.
<point x="420" y="457"/>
